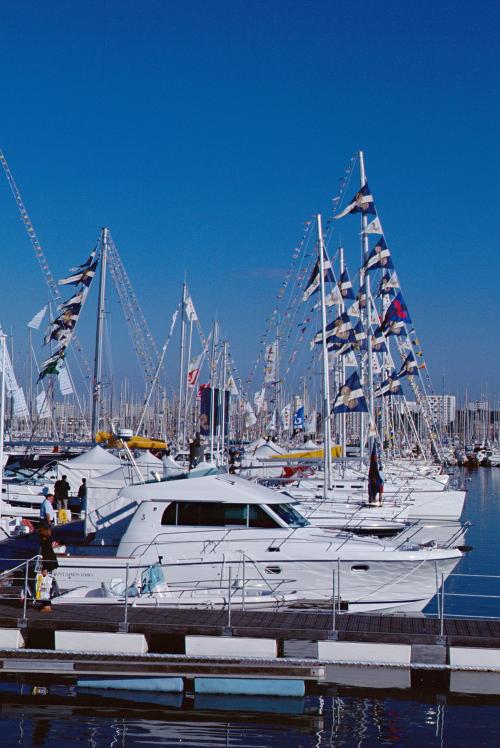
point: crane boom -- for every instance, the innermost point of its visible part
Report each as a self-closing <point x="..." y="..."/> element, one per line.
<point x="139" y="331"/>
<point x="39" y="253"/>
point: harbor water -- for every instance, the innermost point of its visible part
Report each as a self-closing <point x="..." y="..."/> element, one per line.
<point x="37" y="711"/>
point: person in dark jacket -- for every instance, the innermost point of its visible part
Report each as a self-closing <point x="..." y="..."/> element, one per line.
<point x="61" y="492"/>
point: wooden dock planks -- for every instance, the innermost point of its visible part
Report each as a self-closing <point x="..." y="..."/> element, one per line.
<point x="281" y="625"/>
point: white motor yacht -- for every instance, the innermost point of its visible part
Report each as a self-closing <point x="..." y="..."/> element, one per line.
<point x="207" y="531"/>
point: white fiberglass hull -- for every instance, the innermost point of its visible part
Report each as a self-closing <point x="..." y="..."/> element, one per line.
<point x="372" y="576"/>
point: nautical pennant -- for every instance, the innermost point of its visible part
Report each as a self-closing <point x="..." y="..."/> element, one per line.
<point x="271" y="362"/>
<point x="334" y="297"/>
<point x="87" y="262"/>
<point x="345" y="285"/>
<point x="354" y="310"/>
<point x="360" y="335"/>
<point x="65" y="385"/>
<point x="362" y="202"/>
<point x="259" y="399"/>
<point x="37" y="319"/>
<point x="250" y="419"/>
<point x="374" y="227"/>
<point x="361" y="296"/>
<point x="190" y="310"/>
<point x="231" y="386"/>
<point x="338" y="332"/>
<point x="378" y="341"/>
<point x="409" y="366"/>
<point x="298" y="419"/>
<point x="396" y="317"/>
<point x="194" y="370"/>
<point x="388" y="284"/>
<point x="314" y="281"/>
<point x="350" y="397"/>
<point x="390" y="386"/>
<point x="50" y="365"/>
<point x="84" y="276"/>
<point x="379" y="257"/>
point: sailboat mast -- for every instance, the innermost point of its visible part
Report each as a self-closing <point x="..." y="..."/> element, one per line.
<point x="101" y="311"/>
<point x="181" y="364"/>
<point x="3" y="338"/>
<point x="326" y="375"/>
<point x="343" y="420"/>
<point x="365" y="249"/>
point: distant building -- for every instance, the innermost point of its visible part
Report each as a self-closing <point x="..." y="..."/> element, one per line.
<point x="442" y="408"/>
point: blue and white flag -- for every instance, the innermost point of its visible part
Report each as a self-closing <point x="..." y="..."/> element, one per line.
<point x="298" y="419"/>
<point x="338" y="333"/>
<point x="378" y="341"/>
<point x="314" y="281"/>
<point x="354" y="310"/>
<point x="362" y="202"/>
<point x="379" y="257"/>
<point x="390" y="386"/>
<point x="360" y="335"/>
<point x="83" y="276"/>
<point x="350" y="397"/>
<point x="361" y="296"/>
<point x="88" y="262"/>
<point x="388" y="285"/>
<point x="345" y="285"/>
<point x="409" y="366"/>
<point x="374" y="227"/>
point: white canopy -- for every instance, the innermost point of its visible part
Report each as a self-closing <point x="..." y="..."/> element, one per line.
<point x="91" y="464"/>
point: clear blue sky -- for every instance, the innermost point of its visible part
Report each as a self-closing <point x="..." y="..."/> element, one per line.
<point x="204" y="133"/>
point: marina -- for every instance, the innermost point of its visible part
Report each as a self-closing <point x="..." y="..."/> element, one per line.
<point x="249" y="391"/>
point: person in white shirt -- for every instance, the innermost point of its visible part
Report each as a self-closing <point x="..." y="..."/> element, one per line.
<point x="47" y="514"/>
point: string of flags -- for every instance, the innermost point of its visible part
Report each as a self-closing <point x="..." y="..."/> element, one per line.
<point x="61" y="329"/>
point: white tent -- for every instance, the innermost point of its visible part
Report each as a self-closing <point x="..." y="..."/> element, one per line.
<point x="97" y="461"/>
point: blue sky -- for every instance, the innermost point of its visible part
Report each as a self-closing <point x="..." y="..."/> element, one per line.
<point x="204" y="134"/>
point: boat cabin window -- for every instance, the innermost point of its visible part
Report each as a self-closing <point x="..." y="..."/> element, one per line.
<point x="260" y="518"/>
<point x="216" y="514"/>
<point x="288" y="514"/>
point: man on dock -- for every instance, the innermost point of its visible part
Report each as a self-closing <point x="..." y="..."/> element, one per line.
<point x="82" y="495"/>
<point x="46" y="588"/>
<point x="61" y="491"/>
<point x="47" y="511"/>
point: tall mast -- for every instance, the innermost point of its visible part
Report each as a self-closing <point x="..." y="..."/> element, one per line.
<point x="101" y="311"/>
<point x="187" y="401"/>
<point x="343" y="421"/>
<point x="3" y="338"/>
<point x="213" y="381"/>
<point x="223" y="404"/>
<point x="326" y="375"/>
<point x="365" y="249"/>
<point x="181" y="365"/>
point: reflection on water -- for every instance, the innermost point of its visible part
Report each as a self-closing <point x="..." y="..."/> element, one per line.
<point x="338" y="720"/>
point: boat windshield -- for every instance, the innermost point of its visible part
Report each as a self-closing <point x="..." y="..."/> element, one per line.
<point x="288" y="514"/>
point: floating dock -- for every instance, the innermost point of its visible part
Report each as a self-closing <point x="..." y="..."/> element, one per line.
<point x="213" y="649"/>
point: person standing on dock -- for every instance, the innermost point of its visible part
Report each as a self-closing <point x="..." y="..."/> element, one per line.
<point x="47" y="511"/>
<point x="82" y="495"/>
<point x="46" y="588"/>
<point x="61" y="490"/>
